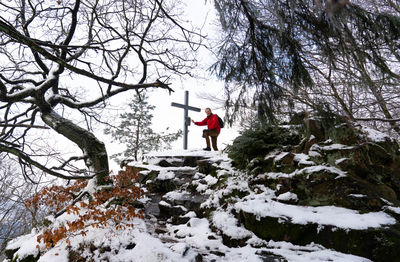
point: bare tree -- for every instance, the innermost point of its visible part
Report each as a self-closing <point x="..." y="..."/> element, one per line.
<point x="15" y="217"/>
<point x="66" y="58"/>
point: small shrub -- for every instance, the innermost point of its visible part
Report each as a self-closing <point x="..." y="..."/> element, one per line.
<point x="109" y="206"/>
<point x="259" y="141"/>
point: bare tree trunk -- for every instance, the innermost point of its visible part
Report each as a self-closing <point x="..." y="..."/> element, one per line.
<point x="382" y="104"/>
<point x="94" y="151"/>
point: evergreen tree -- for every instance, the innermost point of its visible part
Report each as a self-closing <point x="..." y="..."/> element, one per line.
<point x="135" y="130"/>
<point x="303" y="54"/>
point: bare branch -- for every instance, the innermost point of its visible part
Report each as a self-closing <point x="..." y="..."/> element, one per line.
<point x="25" y="157"/>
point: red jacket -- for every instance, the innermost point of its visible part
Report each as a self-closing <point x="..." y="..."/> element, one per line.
<point x="211" y="121"/>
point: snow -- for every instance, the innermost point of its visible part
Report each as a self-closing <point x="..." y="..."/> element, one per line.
<point x="174" y="195"/>
<point x="91" y="186"/>
<point x="303" y="159"/>
<point x="357" y="195"/>
<point x="276" y="175"/>
<point x="307" y="170"/>
<point x="156" y="160"/>
<point x="271" y="155"/>
<point x="26" y="244"/>
<point x="227" y="223"/>
<point x="147" y="249"/>
<point x="191" y="152"/>
<point x="287" y="196"/>
<point x="201" y="187"/>
<point x="185" y="241"/>
<point x="60" y="253"/>
<point x="280" y="156"/>
<point x="163" y="203"/>
<point x="338" y="161"/>
<point x="211" y="180"/>
<point x="394" y="209"/>
<point x="319" y="168"/>
<point x="375" y="135"/>
<point x="165" y="175"/>
<point x="336" y="147"/>
<point x="312" y="153"/>
<point x="311" y="252"/>
<point x="158" y="168"/>
<point x="323" y="215"/>
<point x="190" y="214"/>
<point x="196" y="232"/>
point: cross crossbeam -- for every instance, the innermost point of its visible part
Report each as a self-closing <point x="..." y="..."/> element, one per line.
<point x="186" y="119"/>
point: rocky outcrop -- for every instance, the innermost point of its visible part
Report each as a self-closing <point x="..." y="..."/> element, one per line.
<point x="341" y="166"/>
<point x="342" y="172"/>
<point x="319" y="188"/>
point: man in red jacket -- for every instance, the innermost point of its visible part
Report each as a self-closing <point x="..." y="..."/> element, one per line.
<point x="213" y="129"/>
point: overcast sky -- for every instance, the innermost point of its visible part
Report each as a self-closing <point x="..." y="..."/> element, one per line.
<point x="202" y="14"/>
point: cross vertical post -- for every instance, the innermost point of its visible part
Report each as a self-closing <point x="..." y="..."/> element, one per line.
<point x="186" y="119"/>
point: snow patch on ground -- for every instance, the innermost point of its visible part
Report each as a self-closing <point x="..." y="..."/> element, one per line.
<point x="165" y="175"/>
<point x="338" y="161"/>
<point x="228" y="224"/>
<point x="375" y="135"/>
<point x="260" y="206"/>
<point x="280" y="156"/>
<point x="287" y="196"/>
<point x="319" y="168"/>
<point x="357" y="195"/>
<point x="303" y="159"/>
<point x="311" y="252"/>
<point x="185" y="241"/>
<point x="336" y="147"/>
<point x="394" y="209"/>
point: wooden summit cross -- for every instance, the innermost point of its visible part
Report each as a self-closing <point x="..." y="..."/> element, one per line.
<point x="186" y="118"/>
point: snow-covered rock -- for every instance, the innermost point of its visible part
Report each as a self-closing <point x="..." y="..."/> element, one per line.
<point x="308" y="203"/>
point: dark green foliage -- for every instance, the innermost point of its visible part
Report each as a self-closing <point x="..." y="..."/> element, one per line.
<point x="328" y="118"/>
<point x="259" y="141"/>
<point x="286" y="53"/>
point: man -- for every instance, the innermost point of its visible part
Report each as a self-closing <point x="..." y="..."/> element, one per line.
<point x="213" y="129"/>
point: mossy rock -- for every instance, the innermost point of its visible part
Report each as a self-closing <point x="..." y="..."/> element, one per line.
<point x="325" y="188"/>
<point x="191" y="161"/>
<point x="147" y="176"/>
<point x="260" y="141"/>
<point x="221" y="182"/>
<point x="191" y="202"/>
<point x="171" y="211"/>
<point x="10" y="253"/>
<point x="285" y="164"/>
<point x="30" y="258"/>
<point x="233" y="242"/>
<point x="380" y="244"/>
<point x="314" y="127"/>
<point x="164" y="163"/>
<point x="207" y="167"/>
<point x="161" y="186"/>
<point x="344" y="134"/>
<point x="236" y="193"/>
<point x="76" y="256"/>
<point x="331" y="156"/>
<point x="298" y="118"/>
<point x="260" y="165"/>
<point x="267" y="256"/>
